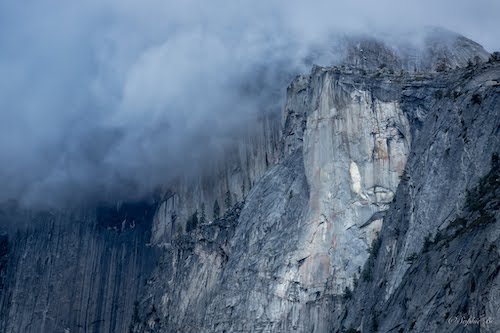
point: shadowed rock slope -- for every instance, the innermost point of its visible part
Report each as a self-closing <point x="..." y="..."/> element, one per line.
<point x="74" y="272"/>
<point x="437" y="259"/>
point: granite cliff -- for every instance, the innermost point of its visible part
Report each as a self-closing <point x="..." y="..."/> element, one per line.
<point x="78" y="271"/>
<point x="372" y="206"/>
<point x="354" y="220"/>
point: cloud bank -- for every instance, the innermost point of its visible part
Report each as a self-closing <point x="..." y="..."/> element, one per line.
<point x="111" y="98"/>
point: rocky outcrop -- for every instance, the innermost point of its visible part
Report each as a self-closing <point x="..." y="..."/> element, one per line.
<point x="223" y="276"/>
<point x="437" y="263"/>
<point x="429" y="50"/>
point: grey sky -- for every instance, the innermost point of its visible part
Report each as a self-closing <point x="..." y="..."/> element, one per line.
<point x="120" y="95"/>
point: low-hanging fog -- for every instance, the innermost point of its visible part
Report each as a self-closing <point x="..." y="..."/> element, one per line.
<point x="115" y="97"/>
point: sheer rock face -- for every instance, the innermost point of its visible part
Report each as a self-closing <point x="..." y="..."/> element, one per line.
<point x="438" y="263"/>
<point x="303" y="235"/>
<point x="234" y="275"/>
<point x="229" y="180"/>
<point x="75" y="272"/>
<point x="355" y="147"/>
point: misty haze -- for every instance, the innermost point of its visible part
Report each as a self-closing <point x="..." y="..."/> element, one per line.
<point x="243" y="166"/>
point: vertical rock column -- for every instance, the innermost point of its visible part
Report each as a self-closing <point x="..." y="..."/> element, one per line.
<point x="355" y="150"/>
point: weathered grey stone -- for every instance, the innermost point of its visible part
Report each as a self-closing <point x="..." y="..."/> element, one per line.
<point x="355" y="216"/>
<point x="352" y="133"/>
<point x="438" y="260"/>
<point x="77" y="272"/>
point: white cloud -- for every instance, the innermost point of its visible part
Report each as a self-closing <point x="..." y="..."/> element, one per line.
<point x="105" y="90"/>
